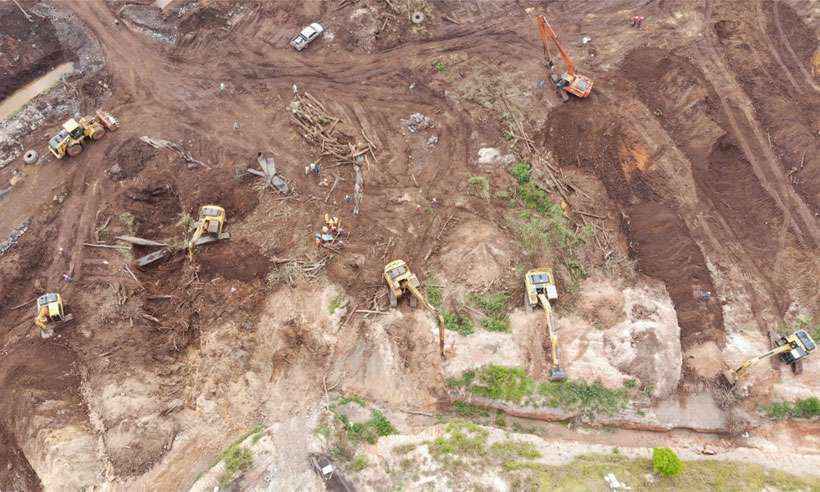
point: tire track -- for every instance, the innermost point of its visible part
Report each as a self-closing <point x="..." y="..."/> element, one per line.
<point x="806" y="75"/>
<point x="738" y="110"/>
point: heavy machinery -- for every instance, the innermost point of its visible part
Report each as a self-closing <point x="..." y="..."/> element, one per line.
<point x="74" y="135"/>
<point x="539" y="286"/>
<point x="791" y="349"/>
<point x="399" y="279"/>
<point x="210" y="223"/>
<point x="50" y="312"/>
<point x="568" y="82"/>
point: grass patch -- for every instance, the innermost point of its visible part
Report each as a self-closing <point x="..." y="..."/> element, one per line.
<point x="521" y="171"/>
<point x="508" y="450"/>
<point x="590" y="398"/>
<point x="402" y="449"/>
<point x="128" y="221"/>
<point x="502" y="383"/>
<point x="335" y="303"/>
<point x="479" y="186"/>
<point x="464" y="409"/>
<point x="439" y="66"/>
<point x="359" y="463"/>
<point x="458" y="323"/>
<point x="237" y="459"/>
<point x="460" y="439"/>
<point x="587" y="473"/>
<point x="433" y="291"/>
<point x="369" y="431"/>
<point x="514" y="385"/>
<point x="352" y="398"/>
<point x="494" y="306"/>
<point x="806" y="408"/>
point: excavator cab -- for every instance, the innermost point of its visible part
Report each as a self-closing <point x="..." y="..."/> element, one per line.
<point x="49" y="309"/>
<point x="790" y="349"/>
<point x="539" y="281"/>
<point x="399" y="279"/>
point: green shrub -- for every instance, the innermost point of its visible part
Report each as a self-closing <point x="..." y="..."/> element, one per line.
<point x="494" y="306"/>
<point x="521" y="171"/>
<point x="439" y="66"/>
<point x="433" y="291"/>
<point x="502" y="383"/>
<point x="496" y="323"/>
<point x="666" y="462"/>
<point x="359" y="463"/>
<point x="459" y="324"/>
<point x="590" y="398"/>
<point x="381" y="424"/>
<point x="805" y="409"/>
<point x="237" y="459"/>
<point x="465" y="409"/>
<point x="479" y="186"/>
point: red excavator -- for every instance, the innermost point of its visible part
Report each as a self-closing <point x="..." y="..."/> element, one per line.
<point x="568" y="82"/>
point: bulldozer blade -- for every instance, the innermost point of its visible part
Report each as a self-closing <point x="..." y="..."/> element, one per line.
<point x="557" y="374"/>
<point x="267" y="164"/>
<point x="141" y="241"/>
<point x="152" y="257"/>
<point x="212" y="239"/>
<point x="280" y="184"/>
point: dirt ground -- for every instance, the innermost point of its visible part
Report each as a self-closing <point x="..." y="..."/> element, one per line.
<point x="693" y="163"/>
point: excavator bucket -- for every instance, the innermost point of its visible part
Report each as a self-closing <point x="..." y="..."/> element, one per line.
<point x="557" y="374"/>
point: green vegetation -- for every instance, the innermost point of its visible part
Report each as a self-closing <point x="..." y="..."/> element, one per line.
<point x="434" y="292"/>
<point x="335" y="303"/>
<point x="666" y="462"/>
<point x="630" y="384"/>
<point x="494" y="306"/>
<point x="802" y="323"/>
<point x="515" y="449"/>
<point x="370" y="431"/>
<point x="128" y="221"/>
<point x="805" y="409"/>
<point x="352" y="398"/>
<point x="359" y="463"/>
<point x="521" y="172"/>
<point x="439" y="66"/>
<point x="257" y="432"/>
<point x="404" y="448"/>
<point x="465" y="409"/>
<point x="479" y="186"/>
<point x="587" y="473"/>
<point x="514" y="385"/>
<point x="237" y="459"/>
<point x="502" y="383"/>
<point x="462" y="325"/>
<point x="461" y="438"/>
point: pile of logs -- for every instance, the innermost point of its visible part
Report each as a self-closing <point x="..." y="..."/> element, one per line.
<point x="326" y="132"/>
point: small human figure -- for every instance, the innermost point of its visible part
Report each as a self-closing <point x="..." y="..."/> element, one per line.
<point x="637" y="21"/>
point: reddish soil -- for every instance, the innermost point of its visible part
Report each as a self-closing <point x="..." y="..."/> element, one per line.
<point x="29" y="49"/>
<point x="15" y="471"/>
<point x="174" y="93"/>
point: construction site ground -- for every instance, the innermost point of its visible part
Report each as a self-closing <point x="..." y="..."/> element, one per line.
<point x="678" y="207"/>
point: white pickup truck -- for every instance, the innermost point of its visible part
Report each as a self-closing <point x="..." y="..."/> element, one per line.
<point x="307" y="35"/>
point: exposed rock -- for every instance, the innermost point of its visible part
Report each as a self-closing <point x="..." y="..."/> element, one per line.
<point x="489" y="156"/>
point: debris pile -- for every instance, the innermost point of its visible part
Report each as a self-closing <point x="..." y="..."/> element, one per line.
<point x="158" y="143"/>
<point x="417" y="122"/>
<point x="15" y="236"/>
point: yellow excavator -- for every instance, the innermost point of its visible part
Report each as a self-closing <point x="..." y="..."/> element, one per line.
<point x="399" y="279"/>
<point x="568" y="82"/>
<point x="791" y="349"/>
<point x="210" y="223"/>
<point x="540" y="288"/>
<point x="49" y="312"/>
<point x="74" y="135"/>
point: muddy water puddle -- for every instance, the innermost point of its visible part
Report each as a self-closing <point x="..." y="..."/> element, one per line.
<point x="22" y="96"/>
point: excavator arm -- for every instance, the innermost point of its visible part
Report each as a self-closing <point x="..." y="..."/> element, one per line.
<point x="42" y="318"/>
<point x="413" y="290"/>
<point x="741" y="370"/>
<point x="548" y="34"/>
<point x="200" y="230"/>
<point x="556" y="373"/>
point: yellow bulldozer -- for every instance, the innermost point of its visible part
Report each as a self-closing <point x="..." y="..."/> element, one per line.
<point x="75" y="135"/>
<point x="791" y="349"/>
<point x="50" y="311"/>
<point x="399" y="280"/>
<point x="540" y="288"/>
<point x="209" y="227"/>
